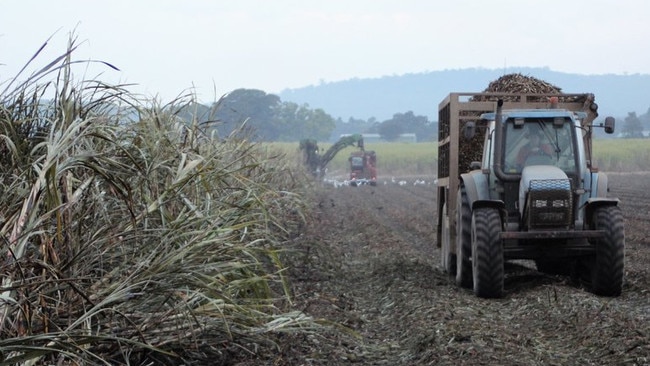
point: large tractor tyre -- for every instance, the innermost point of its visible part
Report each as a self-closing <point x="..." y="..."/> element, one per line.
<point x="487" y="253"/>
<point x="447" y="259"/>
<point x="463" y="240"/>
<point x="607" y="268"/>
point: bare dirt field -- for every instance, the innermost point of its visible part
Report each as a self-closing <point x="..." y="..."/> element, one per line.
<point x="370" y="264"/>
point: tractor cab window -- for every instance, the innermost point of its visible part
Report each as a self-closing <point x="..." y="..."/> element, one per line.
<point x="539" y="141"/>
<point x="356" y="162"/>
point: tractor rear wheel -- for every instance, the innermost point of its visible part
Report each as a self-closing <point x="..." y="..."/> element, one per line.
<point x="487" y="253"/>
<point x="607" y="268"/>
<point x="463" y="240"/>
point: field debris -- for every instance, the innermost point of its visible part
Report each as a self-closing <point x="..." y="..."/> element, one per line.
<point x="371" y="265"/>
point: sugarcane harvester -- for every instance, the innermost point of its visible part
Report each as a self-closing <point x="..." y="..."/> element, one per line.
<point x="316" y="162"/>
<point x="363" y="167"/>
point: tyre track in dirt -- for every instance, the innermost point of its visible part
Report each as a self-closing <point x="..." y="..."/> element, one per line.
<point x="382" y="239"/>
<point x="410" y="222"/>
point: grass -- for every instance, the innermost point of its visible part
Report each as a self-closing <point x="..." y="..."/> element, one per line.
<point x="392" y="158"/>
<point x="615" y="155"/>
<point x="400" y="158"/>
<point x="622" y="155"/>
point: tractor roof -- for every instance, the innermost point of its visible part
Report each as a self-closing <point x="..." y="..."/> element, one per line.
<point x="530" y="113"/>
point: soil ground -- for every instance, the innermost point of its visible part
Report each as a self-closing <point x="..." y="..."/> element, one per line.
<point x="370" y="265"/>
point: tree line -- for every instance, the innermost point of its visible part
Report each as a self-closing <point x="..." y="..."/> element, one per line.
<point x="267" y="118"/>
<point x="633" y="125"/>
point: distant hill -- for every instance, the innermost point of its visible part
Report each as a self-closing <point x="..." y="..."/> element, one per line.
<point x="420" y="93"/>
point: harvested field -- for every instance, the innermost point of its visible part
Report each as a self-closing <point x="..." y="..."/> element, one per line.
<point x="370" y="264"/>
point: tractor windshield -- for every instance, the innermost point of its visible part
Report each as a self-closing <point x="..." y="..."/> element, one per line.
<point x="356" y="162"/>
<point x="539" y="141"/>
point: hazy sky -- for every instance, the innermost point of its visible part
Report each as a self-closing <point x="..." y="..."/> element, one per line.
<point x="169" y="47"/>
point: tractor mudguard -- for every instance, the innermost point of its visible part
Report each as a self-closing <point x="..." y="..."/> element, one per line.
<point x="601" y="183"/>
<point x="476" y="187"/>
<point x="593" y="203"/>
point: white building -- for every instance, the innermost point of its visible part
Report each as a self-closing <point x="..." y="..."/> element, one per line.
<point x="375" y="137"/>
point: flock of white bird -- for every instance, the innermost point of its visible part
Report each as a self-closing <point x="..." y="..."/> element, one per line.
<point x="401" y="182"/>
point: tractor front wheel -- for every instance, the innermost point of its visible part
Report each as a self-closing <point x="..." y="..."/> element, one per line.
<point x="487" y="253"/>
<point x="607" y="267"/>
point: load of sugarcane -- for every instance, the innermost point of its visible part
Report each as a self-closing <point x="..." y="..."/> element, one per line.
<point x="471" y="150"/>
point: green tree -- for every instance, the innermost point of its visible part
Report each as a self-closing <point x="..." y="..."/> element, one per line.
<point x="390" y="130"/>
<point x="321" y="124"/>
<point x="297" y="122"/>
<point x="645" y="119"/>
<point x="632" y="127"/>
<point x="253" y="107"/>
<point x="351" y="127"/>
<point x="407" y="123"/>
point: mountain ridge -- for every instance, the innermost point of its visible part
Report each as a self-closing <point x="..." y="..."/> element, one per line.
<point x="382" y="97"/>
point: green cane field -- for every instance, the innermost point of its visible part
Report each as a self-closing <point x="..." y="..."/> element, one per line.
<point x="399" y="159"/>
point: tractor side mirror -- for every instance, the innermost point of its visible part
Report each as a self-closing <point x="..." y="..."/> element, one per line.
<point x="609" y="124"/>
<point x="469" y="130"/>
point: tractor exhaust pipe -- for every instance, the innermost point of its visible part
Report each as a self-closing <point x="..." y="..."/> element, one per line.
<point x="498" y="147"/>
